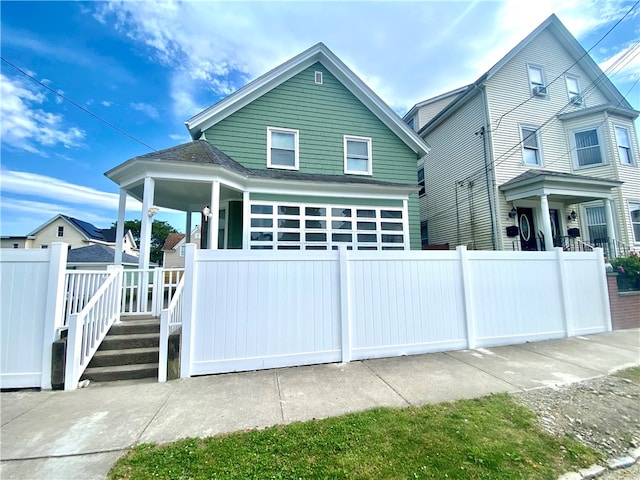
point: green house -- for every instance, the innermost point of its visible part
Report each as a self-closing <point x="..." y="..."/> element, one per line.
<point x="305" y="157"/>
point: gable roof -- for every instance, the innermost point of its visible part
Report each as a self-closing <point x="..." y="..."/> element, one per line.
<point x="566" y="40"/>
<point x="98" y="254"/>
<point x="318" y="53"/>
<point x="87" y="230"/>
<point x="172" y="240"/>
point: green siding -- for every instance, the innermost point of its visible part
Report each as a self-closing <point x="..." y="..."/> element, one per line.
<point x="373" y="202"/>
<point x="234" y="237"/>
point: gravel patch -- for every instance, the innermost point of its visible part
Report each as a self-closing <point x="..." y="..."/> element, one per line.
<point x="603" y="413"/>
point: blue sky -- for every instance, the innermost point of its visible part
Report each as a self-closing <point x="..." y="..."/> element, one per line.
<point x="146" y="67"/>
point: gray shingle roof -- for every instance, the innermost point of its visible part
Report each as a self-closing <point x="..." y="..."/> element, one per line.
<point x="97" y="254"/>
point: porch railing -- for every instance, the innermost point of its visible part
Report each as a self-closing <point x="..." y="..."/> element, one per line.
<point x="88" y="327"/>
<point x="148" y="291"/>
<point x="612" y="248"/>
<point x="170" y="321"/>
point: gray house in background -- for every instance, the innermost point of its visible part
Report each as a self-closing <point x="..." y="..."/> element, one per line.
<point x="97" y="257"/>
<point x="540" y="151"/>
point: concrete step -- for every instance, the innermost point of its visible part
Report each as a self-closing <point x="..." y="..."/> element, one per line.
<point x="136" y="340"/>
<point x="129" y="356"/>
<point x="123" y="372"/>
<point x="129" y="327"/>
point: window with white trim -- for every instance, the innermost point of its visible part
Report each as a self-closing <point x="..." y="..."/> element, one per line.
<point x="421" y="183"/>
<point x="587" y="148"/>
<point x="277" y="226"/>
<point x="531" y="152"/>
<point x="318" y="78"/>
<point x="357" y="155"/>
<point x="573" y="90"/>
<point x="536" y="81"/>
<point x="282" y="148"/>
<point x="624" y="146"/>
<point x="634" y="215"/>
<point x="182" y="250"/>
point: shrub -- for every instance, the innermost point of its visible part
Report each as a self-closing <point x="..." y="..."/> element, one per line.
<point x="628" y="269"/>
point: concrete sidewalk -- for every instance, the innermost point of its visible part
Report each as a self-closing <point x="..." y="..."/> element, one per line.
<point x="80" y="434"/>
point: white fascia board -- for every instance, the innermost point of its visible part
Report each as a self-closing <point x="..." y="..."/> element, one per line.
<point x="430" y="100"/>
<point x="45" y="224"/>
<point x="313" y="189"/>
<point x="317" y="53"/>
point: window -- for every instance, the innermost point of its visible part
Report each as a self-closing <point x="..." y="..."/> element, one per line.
<point x="357" y="155"/>
<point x="61" y="231"/>
<point x="15" y="245"/>
<point x="424" y="233"/>
<point x="181" y="251"/>
<point x="421" y="183"/>
<point x="634" y="213"/>
<point x="410" y="122"/>
<point x="531" y="154"/>
<point x="624" y="146"/>
<point x="587" y="147"/>
<point x="573" y="90"/>
<point x="282" y="148"/>
<point x="318" y="78"/>
<point x="44" y="247"/>
<point x="536" y="81"/>
<point x="596" y="224"/>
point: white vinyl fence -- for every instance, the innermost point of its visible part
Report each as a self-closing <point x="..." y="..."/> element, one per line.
<point x="31" y="310"/>
<point x="253" y="310"/>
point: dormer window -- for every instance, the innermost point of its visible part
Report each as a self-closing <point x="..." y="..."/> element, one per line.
<point x="282" y="148"/>
<point x="537" y="82"/>
<point x="573" y="90"/>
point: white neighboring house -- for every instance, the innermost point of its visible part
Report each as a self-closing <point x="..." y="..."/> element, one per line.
<point x="540" y="151"/>
<point x="77" y="233"/>
<point x="174" y="245"/>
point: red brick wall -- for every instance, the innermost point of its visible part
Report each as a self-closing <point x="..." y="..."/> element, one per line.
<point x="625" y="307"/>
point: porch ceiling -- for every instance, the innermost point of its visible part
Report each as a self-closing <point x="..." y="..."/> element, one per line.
<point x="563" y="187"/>
<point x="184" y="195"/>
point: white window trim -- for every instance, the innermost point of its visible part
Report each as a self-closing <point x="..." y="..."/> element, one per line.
<point x="544" y="79"/>
<point x="539" y="143"/>
<point x="577" y="79"/>
<point x="318" y="78"/>
<point x="296" y="165"/>
<point x="574" y="149"/>
<point x="630" y="146"/>
<point x="633" y="205"/>
<point x="367" y="140"/>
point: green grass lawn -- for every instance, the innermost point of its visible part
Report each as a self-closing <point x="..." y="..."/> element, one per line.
<point x="632" y="374"/>
<point x="486" y="438"/>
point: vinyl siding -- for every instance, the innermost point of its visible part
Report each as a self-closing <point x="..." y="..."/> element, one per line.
<point x="322" y="114"/>
<point x="456" y="153"/>
<point x="49" y="234"/>
<point x="427" y="112"/>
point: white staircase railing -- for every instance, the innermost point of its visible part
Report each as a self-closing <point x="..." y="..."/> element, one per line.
<point x="79" y="288"/>
<point x="170" y="321"/>
<point x="88" y="327"/>
<point x="147" y="291"/>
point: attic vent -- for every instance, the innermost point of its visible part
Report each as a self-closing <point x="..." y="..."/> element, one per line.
<point x="539" y="91"/>
<point x="319" y="78"/>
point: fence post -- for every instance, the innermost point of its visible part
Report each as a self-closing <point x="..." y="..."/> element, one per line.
<point x="467" y="293"/>
<point x="345" y="303"/>
<point x="604" y="290"/>
<point x="54" y="310"/>
<point x="567" y="311"/>
<point x="189" y="292"/>
<point x="74" y="348"/>
<point x="157" y="293"/>
<point x="164" y="347"/>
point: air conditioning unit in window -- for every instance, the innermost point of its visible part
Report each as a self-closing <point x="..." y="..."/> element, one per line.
<point x="539" y="91"/>
<point x="576" y="100"/>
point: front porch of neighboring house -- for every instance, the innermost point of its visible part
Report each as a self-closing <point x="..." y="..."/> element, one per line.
<point x="246" y="209"/>
<point x="581" y="213"/>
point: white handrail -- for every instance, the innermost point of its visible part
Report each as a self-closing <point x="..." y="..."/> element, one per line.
<point x="88" y="328"/>
<point x="585" y="245"/>
<point x="79" y="288"/>
<point x="170" y="321"/>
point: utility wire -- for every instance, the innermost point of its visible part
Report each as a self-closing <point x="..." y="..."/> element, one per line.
<point x="76" y="104"/>
<point x="571" y="66"/>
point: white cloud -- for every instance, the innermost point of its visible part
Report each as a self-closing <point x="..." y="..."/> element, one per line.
<point x="625" y="64"/>
<point x="105" y="103"/>
<point x="149" y="110"/>
<point x="28" y="127"/>
<point x="182" y="138"/>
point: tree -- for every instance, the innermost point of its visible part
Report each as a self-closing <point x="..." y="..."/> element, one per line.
<point x="160" y="230"/>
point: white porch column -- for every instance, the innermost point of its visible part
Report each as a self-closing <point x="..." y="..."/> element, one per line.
<point x="246" y="220"/>
<point x="215" y="215"/>
<point x="122" y="204"/>
<point x="546" y="223"/>
<point x="146" y="222"/>
<point x="608" y="213"/>
<point x="188" y="227"/>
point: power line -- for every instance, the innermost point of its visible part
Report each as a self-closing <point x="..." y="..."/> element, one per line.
<point x="119" y="130"/>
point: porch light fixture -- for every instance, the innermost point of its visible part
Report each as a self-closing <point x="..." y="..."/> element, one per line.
<point x="573" y="215"/>
<point x="513" y="212"/>
<point x="206" y="211"/>
<point x="152" y="211"/>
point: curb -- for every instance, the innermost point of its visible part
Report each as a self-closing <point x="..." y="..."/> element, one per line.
<point x="595" y="471"/>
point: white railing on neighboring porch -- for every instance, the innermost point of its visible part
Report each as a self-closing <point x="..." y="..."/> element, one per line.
<point x="88" y="327"/>
<point x="148" y="291"/>
<point x="170" y="321"/>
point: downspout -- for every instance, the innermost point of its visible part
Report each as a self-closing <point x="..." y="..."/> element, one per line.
<point x="488" y="170"/>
